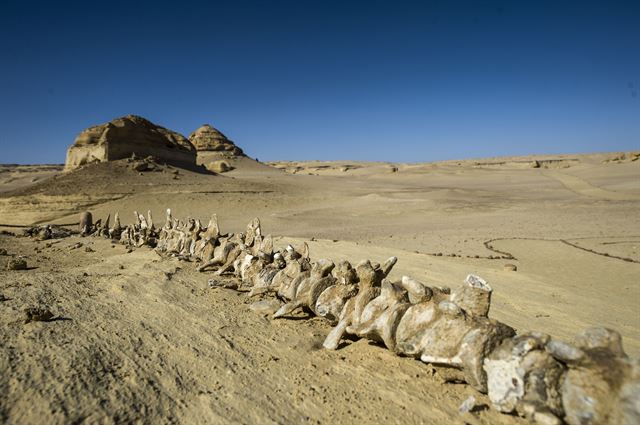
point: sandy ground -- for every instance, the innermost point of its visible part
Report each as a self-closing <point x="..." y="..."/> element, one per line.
<point x="143" y="339"/>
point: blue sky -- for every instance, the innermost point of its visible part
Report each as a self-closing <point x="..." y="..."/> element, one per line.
<point x="360" y="80"/>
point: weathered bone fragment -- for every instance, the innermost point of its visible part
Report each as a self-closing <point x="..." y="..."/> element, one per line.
<point x="474" y="297"/>
<point x="265" y="307"/>
<point x="253" y="230"/>
<point x="226" y="254"/>
<point x="168" y="223"/>
<point x="245" y="244"/>
<point x="294" y="264"/>
<point x="213" y="229"/>
<point x="105" y="228"/>
<point x="523" y="376"/>
<point x="142" y="222"/>
<point x="261" y="274"/>
<point x="309" y="289"/>
<point x="150" y="220"/>
<point x="95" y="229"/>
<point x="193" y="229"/>
<point x="86" y="223"/>
<point x="116" y="231"/>
<point x="442" y="332"/>
<point x="380" y="318"/>
<point x="601" y="383"/>
<point x="544" y="380"/>
<point x="332" y="300"/>
<point x="417" y="291"/>
<point x="263" y="247"/>
<point x="369" y="281"/>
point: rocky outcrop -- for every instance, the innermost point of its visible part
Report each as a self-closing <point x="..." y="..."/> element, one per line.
<point x="123" y="137"/>
<point x="213" y="147"/>
<point x="209" y="139"/>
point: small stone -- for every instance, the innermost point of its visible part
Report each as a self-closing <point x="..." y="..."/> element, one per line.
<point x="121" y="267"/>
<point x="564" y="352"/>
<point x="140" y="166"/>
<point x="86" y="223"/>
<point x="17" y="263"/>
<point x="37" y="314"/>
<point x="212" y="283"/>
<point x="3" y="298"/>
<point x="510" y="267"/>
<point x="265" y="307"/>
<point x="219" y="166"/>
<point x="88" y="249"/>
<point x="468" y="405"/>
<point x="3" y="251"/>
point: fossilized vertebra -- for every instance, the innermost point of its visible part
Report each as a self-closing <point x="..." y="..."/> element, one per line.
<point x="542" y="379"/>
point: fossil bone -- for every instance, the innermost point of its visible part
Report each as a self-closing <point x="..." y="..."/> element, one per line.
<point x="309" y="289"/>
<point x="543" y="379"/>
<point x="369" y="281"/>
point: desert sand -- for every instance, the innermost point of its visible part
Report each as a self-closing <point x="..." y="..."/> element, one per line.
<point x="140" y="339"/>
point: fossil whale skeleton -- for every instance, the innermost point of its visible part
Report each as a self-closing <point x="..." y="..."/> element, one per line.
<point x="547" y="381"/>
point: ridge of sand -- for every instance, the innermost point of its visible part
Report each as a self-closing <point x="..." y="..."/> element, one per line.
<point x="582" y="187"/>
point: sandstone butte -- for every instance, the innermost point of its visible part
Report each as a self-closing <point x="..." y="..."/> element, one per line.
<point x="214" y="148"/>
<point x="125" y="136"/>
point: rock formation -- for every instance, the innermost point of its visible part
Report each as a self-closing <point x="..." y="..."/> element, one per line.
<point x="123" y="137"/>
<point x="214" y="148"/>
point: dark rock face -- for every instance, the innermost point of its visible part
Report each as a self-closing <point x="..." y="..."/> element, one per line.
<point x="123" y="137"/>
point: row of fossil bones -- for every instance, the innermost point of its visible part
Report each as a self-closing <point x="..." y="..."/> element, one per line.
<point x="591" y="381"/>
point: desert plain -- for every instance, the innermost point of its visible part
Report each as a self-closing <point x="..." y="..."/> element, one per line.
<point x="140" y="339"/>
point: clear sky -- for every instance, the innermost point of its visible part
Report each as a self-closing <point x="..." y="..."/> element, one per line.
<point x="361" y="80"/>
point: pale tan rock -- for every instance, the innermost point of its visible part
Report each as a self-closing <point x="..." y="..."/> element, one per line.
<point x="220" y="166"/>
<point x="207" y="138"/>
<point x="122" y="137"/>
<point x="510" y="267"/>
